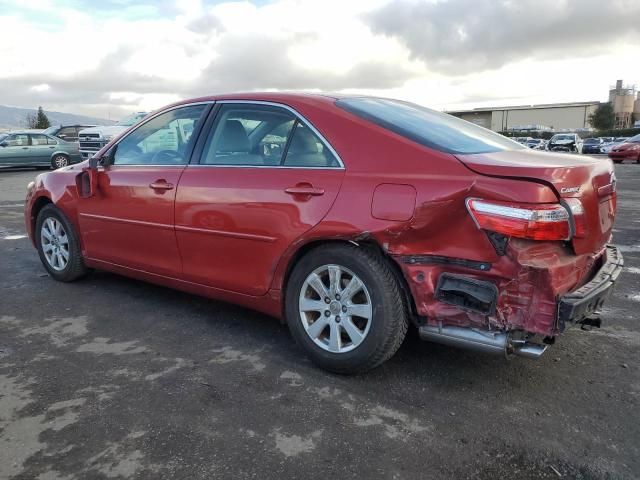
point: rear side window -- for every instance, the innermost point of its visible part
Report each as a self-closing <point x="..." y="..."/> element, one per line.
<point x="427" y="127"/>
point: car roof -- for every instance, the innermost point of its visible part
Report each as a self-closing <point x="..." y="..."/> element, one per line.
<point x="286" y="98"/>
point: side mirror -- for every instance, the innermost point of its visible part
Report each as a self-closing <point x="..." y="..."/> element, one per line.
<point x="4" y="144"/>
<point x="87" y="180"/>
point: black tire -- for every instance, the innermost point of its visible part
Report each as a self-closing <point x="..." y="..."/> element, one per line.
<point x="389" y="321"/>
<point x="75" y="267"/>
<point x="59" y="160"/>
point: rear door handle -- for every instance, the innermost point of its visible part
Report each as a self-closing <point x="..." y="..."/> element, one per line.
<point x="305" y="191"/>
<point x="161" y="185"/>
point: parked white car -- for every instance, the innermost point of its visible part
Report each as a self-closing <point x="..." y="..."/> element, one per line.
<point x="606" y="147"/>
<point x="93" y="139"/>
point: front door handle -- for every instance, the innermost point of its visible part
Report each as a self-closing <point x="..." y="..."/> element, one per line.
<point x="313" y="191"/>
<point x="161" y="185"/>
<point x="25" y="148"/>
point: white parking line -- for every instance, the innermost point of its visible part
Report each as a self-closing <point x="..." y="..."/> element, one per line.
<point x="12" y="205"/>
<point x="14" y="237"/>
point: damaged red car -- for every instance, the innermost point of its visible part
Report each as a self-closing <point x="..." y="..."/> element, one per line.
<point x="348" y="217"/>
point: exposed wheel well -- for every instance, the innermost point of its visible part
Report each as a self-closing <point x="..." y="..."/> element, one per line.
<point x="369" y="244"/>
<point x="35" y="210"/>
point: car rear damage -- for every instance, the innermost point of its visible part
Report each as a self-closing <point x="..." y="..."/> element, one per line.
<point x="553" y="265"/>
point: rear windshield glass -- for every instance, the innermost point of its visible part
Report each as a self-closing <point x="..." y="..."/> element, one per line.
<point x="427" y="127"/>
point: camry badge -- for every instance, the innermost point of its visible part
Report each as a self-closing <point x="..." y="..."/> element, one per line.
<point x="569" y="189"/>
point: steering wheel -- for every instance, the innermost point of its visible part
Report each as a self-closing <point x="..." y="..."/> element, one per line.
<point x="168" y="154"/>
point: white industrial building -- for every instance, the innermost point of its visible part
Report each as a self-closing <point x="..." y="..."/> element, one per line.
<point x="556" y="116"/>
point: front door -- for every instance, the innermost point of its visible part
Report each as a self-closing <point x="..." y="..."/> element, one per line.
<point x="15" y="150"/>
<point x="130" y="221"/>
<point x="262" y="179"/>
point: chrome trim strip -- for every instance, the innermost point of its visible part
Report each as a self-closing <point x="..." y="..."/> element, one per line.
<point x="299" y="117"/>
<point x="226" y="233"/>
<point x="127" y="221"/>
<point x="278" y="167"/>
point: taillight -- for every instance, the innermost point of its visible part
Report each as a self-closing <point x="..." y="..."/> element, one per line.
<point x="579" y="217"/>
<point x="535" y="222"/>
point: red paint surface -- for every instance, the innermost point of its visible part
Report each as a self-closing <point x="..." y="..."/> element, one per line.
<point x="232" y="233"/>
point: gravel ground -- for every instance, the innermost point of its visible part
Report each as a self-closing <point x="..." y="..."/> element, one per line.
<point x="114" y="378"/>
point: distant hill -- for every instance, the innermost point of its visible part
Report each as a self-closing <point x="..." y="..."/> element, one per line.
<point x="15" y="117"/>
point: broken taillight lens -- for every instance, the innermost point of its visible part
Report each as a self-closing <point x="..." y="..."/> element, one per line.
<point x="579" y="218"/>
<point x="535" y="222"/>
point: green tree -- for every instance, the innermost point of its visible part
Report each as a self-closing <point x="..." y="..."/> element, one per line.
<point x="603" y="118"/>
<point x="39" y="120"/>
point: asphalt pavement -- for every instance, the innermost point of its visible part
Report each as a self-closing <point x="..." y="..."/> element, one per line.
<point x="114" y="378"/>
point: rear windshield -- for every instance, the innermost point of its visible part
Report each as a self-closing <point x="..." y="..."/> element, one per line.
<point x="592" y="140"/>
<point x="427" y="127"/>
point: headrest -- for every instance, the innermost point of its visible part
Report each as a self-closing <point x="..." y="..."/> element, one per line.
<point x="303" y="141"/>
<point x="234" y="138"/>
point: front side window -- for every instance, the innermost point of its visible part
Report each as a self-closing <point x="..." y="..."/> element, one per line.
<point x="163" y="140"/>
<point x="248" y="135"/>
<point x="18" y="140"/>
<point x="37" y="140"/>
<point x="428" y="127"/>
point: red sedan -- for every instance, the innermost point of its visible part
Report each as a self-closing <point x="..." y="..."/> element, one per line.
<point x="629" y="150"/>
<point x="347" y="217"/>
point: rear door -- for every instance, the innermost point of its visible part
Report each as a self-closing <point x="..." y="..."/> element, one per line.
<point x="262" y="177"/>
<point x="41" y="149"/>
<point x="130" y="221"/>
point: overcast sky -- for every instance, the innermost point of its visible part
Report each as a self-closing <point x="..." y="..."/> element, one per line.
<point x="108" y="57"/>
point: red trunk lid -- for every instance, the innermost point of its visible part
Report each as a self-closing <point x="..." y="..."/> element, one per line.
<point x="571" y="176"/>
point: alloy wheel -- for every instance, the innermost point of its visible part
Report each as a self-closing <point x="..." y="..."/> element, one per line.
<point x="60" y="161"/>
<point x="55" y="243"/>
<point x="335" y="308"/>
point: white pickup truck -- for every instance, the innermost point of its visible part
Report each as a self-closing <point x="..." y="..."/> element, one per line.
<point x="93" y="139"/>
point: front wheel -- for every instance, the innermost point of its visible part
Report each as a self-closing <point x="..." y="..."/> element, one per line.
<point x="58" y="245"/>
<point x="59" y="160"/>
<point x="345" y="308"/>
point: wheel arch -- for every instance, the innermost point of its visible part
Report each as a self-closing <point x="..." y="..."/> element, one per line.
<point x="38" y="204"/>
<point x="369" y="244"/>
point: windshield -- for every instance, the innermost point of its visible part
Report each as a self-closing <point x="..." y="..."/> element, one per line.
<point x="592" y="140"/>
<point x="131" y="119"/>
<point x="51" y="130"/>
<point x="562" y="137"/>
<point x="3" y="136"/>
<point x="635" y="139"/>
<point x="428" y="127"/>
<point x="621" y="139"/>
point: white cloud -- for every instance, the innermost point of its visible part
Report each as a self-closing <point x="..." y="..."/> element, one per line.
<point x="106" y="60"/>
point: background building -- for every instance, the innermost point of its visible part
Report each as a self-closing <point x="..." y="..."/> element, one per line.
<point x="555" y="116"/>
<point x="625" y="101"/>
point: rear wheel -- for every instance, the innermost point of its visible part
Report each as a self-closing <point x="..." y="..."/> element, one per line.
<point x="59" y="160"/>
<point x="345" y="308"/>
<point x="58" y="245"/>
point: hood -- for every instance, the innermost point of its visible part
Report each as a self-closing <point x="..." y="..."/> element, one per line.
<point x="105" y="130"/>
<point x="589" y="179"/>
<point x="622" y="147"/>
